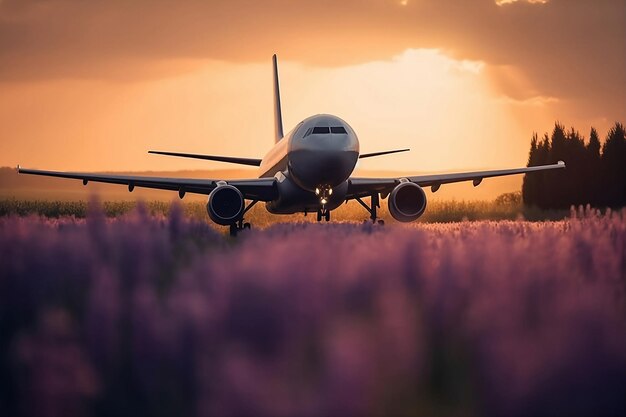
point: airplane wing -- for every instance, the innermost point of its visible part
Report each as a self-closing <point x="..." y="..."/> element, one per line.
<point x="363" y="187"/>
<point x="261" y="189"/>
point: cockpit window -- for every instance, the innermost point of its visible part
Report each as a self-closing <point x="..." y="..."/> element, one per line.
<point x="323" y="130"/>
<point x="320" y="130"/>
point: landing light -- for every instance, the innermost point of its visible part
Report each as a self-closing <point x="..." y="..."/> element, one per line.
<point x="317" y="191"/>
<point x="330" y="191"/>
<point x="324" y="201"/>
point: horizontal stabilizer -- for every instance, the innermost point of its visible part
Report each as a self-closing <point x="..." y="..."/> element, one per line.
<point x="230" y="159"/>
<point x="368" y="155"/>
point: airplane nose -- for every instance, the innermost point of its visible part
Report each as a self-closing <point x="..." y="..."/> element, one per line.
<point x="320" y="162"/>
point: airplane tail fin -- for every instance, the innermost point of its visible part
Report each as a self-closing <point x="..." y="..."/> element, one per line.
<point x="278" y="116"/>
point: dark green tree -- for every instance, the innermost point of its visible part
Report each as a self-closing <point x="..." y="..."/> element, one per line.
<point x="543" y="157"/>
<point x="594" y="146"/>
<point x="593" y="169"/>
<point x="614" y="167"/>
<point x="529" y="184"/>
<point x="574" y="180"/>
<point x="595" y="173"/>
<point x="558" y="142"/>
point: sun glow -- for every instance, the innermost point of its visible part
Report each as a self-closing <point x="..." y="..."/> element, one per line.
<point x="444" y="109"/>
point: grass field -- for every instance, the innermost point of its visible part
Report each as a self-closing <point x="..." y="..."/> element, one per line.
<point x="437" y="211"/>
<point x="143" y="314"/>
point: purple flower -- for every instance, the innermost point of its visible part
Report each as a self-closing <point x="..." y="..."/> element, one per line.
<point x="151" y="315"/>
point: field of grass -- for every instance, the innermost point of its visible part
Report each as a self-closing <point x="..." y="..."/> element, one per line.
<point x="142" y="314"/>
<point x="437" y="211"/>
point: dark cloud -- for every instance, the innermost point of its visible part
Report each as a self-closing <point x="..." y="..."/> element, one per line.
<point x="566" y="48"/>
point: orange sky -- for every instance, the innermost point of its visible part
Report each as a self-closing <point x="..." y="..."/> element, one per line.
<point x="94" y="85"/>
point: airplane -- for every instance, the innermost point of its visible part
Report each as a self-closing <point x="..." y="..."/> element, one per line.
<point x="308" y="170"/>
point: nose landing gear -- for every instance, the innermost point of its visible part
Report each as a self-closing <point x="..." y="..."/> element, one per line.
<point x="323" y="213"/>
<point x="324" y="192"/>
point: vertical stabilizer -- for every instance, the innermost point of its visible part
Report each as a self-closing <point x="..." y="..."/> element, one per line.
<point x="278" y="115"/>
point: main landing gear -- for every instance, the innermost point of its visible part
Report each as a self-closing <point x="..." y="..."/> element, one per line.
<point x="240" y="225"/>
<point x="372" y="208"/>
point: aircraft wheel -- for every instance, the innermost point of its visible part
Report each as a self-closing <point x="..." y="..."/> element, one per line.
<point x="327" y="216"/>
<point x="381" y="222"/>
<point x="233" y="230"/>
<point x="247" y="226"/>
<point x="319" y="215"/>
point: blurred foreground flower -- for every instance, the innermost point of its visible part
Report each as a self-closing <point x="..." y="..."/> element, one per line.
<point x="164" y="316"/>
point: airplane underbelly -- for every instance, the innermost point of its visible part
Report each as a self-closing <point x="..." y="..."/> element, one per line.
<point x="294" y="199"/>
<point x="314" y="168"/>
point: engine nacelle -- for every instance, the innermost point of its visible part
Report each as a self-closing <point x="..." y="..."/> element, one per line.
<point x="407" y="202"/>
<point x="225" y="205"/>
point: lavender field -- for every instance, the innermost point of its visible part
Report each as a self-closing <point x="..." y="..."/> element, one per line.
<point x="165" y="316"/>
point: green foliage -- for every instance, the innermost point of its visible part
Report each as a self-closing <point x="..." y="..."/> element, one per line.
<point x="507" y="199"/>
<point x="78" y="209"/>
<point x="591" y="177"/>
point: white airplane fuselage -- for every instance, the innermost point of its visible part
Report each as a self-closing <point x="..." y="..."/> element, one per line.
<point x="312" y="164"/>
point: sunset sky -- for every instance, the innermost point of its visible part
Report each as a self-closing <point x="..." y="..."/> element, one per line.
<point x="92" y="85"/>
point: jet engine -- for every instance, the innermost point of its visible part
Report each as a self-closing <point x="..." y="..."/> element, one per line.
<point x="407" y="202"/>
<point x="225" y="205"/>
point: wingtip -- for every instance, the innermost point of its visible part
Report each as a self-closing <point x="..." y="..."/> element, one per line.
<point x="18" y="168"/>
<point x="561" y="163"/>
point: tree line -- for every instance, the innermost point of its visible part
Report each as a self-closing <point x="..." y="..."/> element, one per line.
<point x="595" y="172"/>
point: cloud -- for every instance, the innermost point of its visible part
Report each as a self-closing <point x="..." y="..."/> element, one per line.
<point x="572" y="49"/>
<point x="505" y="2"/>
